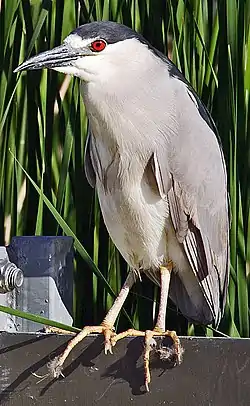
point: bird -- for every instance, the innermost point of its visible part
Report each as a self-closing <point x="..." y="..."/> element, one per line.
<point x="154" y="156"/>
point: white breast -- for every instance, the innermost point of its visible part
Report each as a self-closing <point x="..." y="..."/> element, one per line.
<point x="135" y="217"/>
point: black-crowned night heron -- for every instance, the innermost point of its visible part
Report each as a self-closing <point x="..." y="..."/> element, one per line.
<point x="153" y="156"/>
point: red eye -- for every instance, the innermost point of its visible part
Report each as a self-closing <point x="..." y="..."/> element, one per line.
<point x="98" y="45"/>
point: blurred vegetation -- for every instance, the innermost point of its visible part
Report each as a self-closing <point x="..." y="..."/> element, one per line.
<point x="43" y="124"/>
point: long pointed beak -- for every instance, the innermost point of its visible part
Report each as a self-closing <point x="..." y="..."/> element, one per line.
<point x="62" y="55"/>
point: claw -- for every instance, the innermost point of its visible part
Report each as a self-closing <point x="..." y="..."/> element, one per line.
<point x="108" y="348"/>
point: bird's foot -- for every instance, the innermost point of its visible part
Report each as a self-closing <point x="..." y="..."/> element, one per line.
<point x="150" y="343"/>
<point x="55" y="366"/>
<point x="165" y="353"/>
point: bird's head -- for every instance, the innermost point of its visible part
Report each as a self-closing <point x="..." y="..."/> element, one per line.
<point x="92" y="50"/>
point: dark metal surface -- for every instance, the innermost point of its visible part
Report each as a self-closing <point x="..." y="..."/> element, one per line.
<point x="214" y="372"/>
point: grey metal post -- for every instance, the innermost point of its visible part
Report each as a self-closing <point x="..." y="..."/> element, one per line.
<point x="47" y="289"/>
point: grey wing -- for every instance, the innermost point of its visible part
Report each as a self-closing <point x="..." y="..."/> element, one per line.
<point x="92" y="162"/>
<point x="88" y="166"/>
<point x="209" y="266"/>
<point x="198" y="203"/>
<point x="93" y="167"/>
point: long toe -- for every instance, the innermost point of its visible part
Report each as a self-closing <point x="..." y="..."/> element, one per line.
<point x="147" y="348"/>
<point x="130" y="332"/>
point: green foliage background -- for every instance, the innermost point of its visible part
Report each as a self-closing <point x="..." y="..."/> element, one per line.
<point x="43" y="125"/>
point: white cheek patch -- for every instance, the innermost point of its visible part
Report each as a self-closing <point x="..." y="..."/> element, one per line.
<point x="75" y="41"/>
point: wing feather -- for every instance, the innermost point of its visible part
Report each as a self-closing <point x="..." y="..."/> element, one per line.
<point x="200" y="257"/>
<point x="88" y="166"/>
<point x="201" y="223"/>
